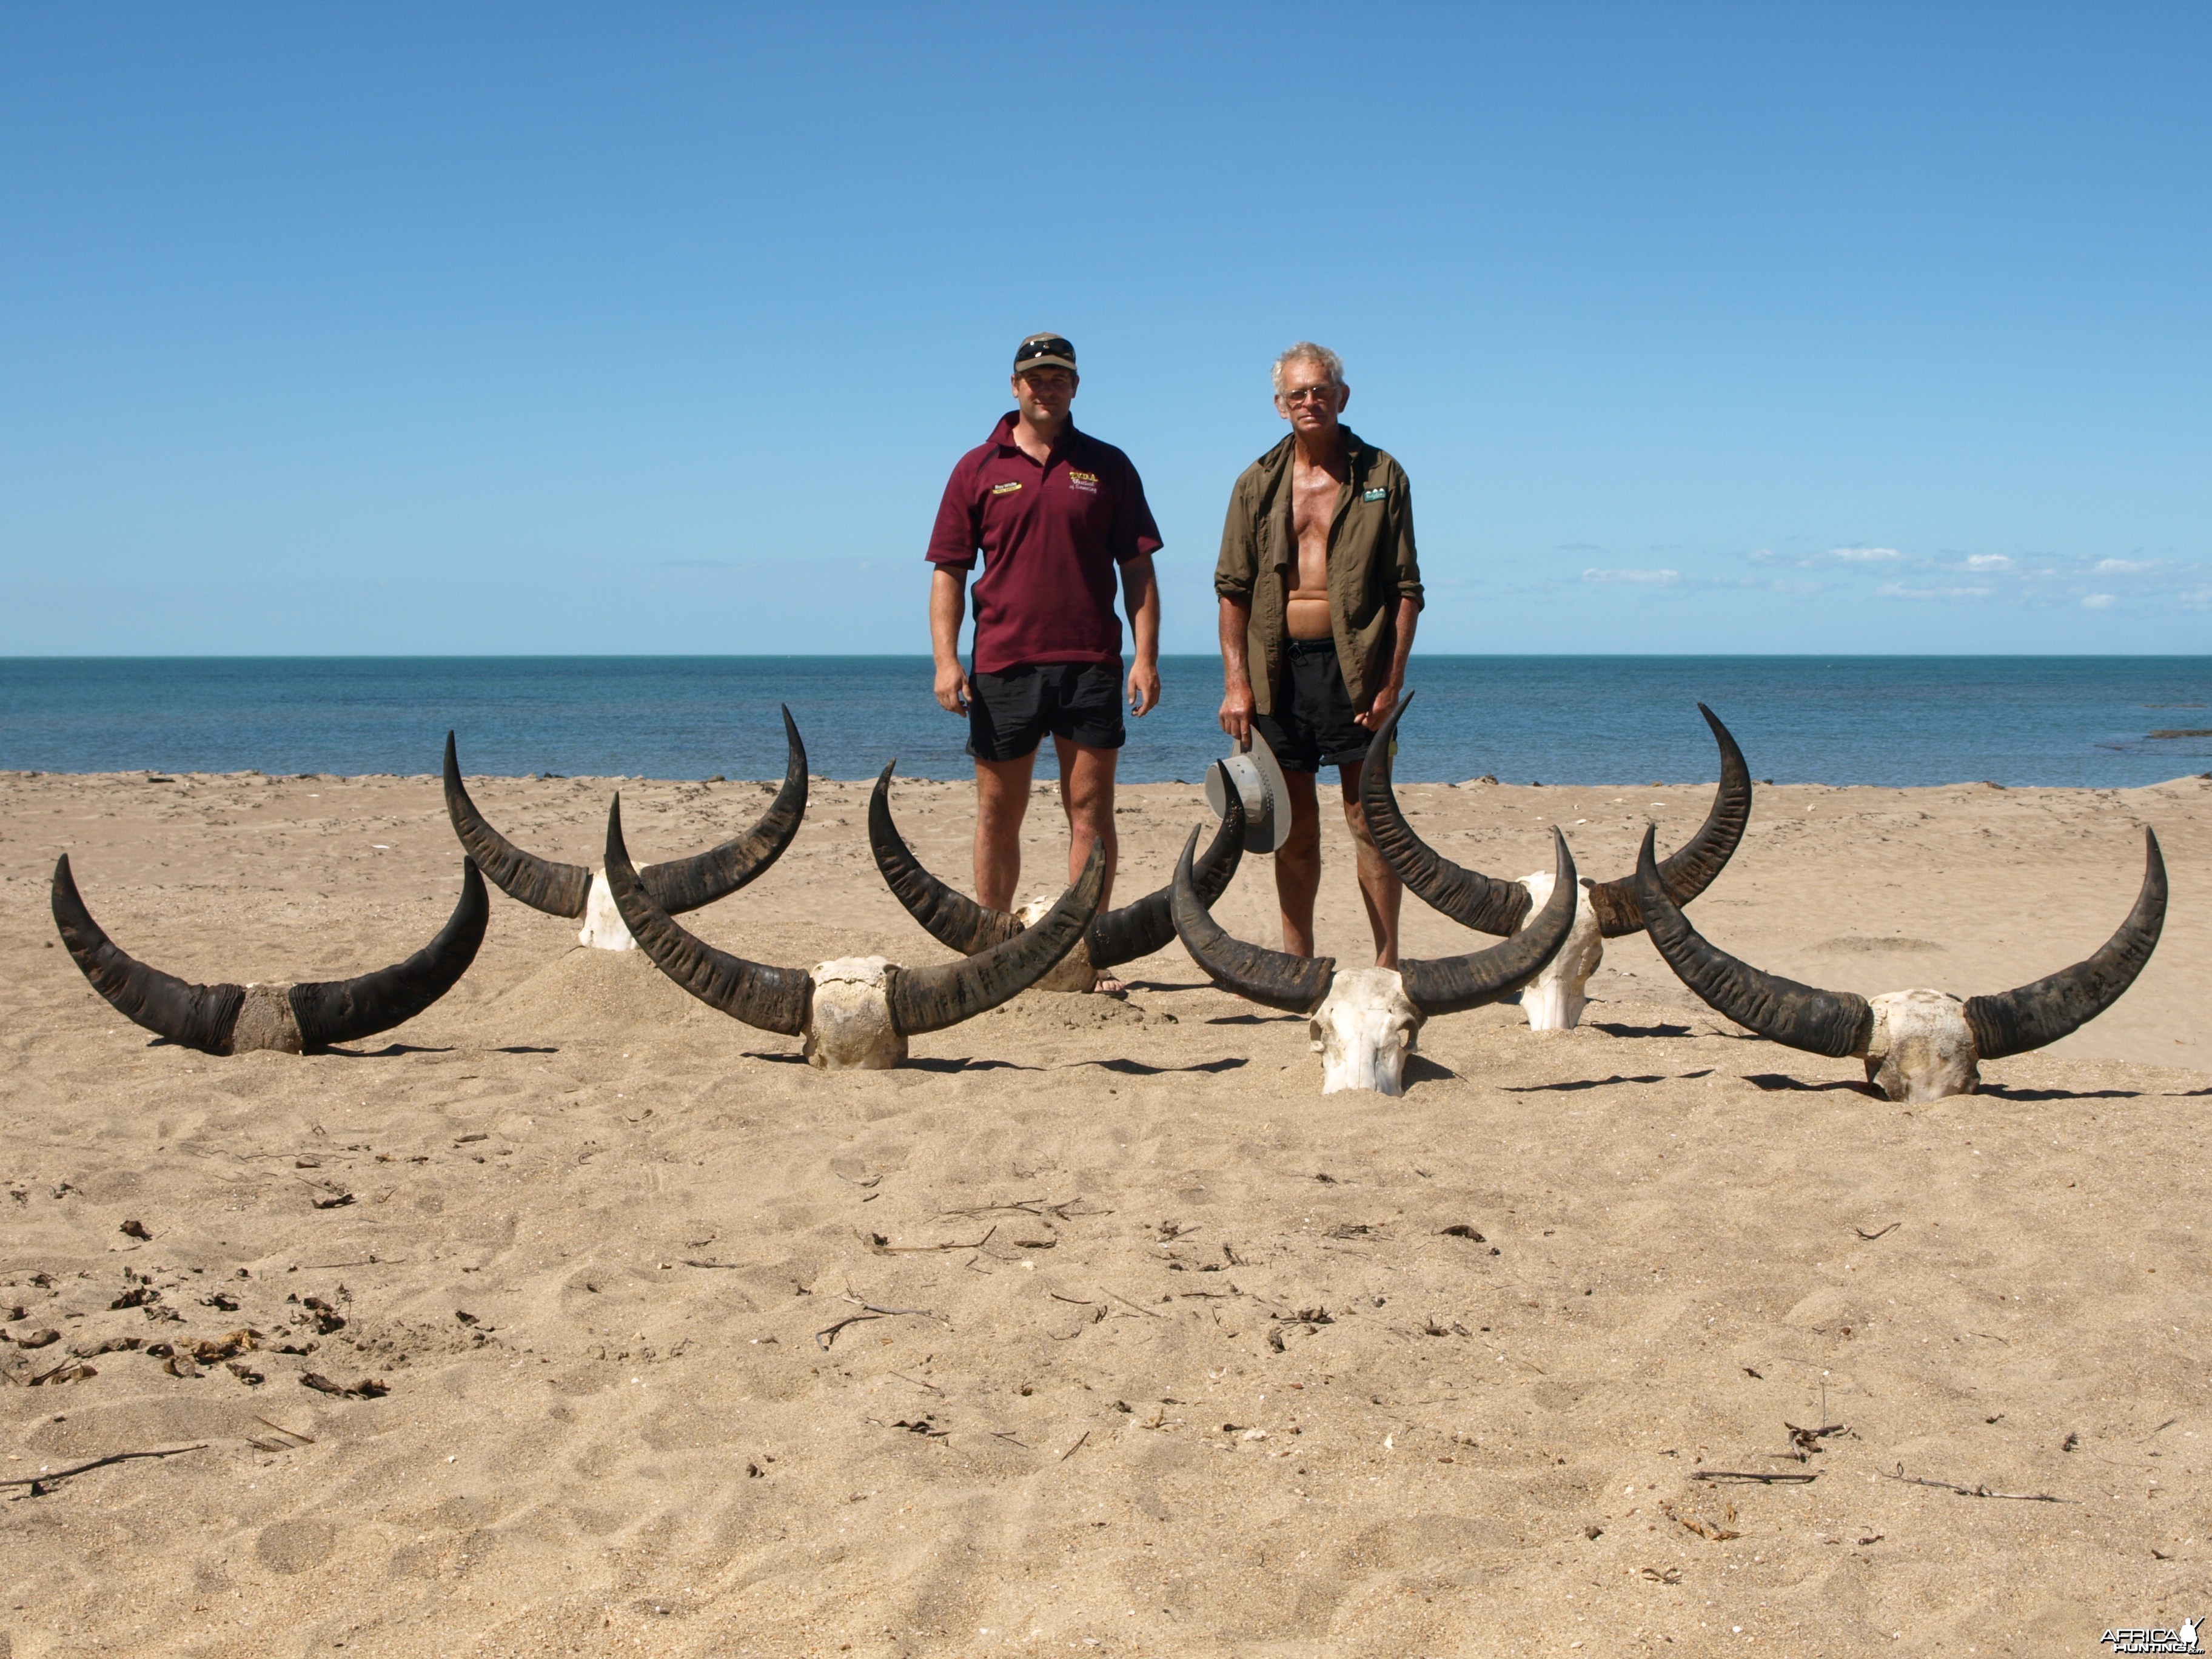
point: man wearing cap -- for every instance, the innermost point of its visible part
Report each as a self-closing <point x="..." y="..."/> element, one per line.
<point x="1056" y="515"/>
<point x="1320" y="590"/>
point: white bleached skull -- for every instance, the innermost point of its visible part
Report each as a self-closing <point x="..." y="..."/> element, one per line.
<point x="603" y="928"/>
<point x="1921" y="1047"/>
<point x="1073" y="971"/>
<point x="1555" y="998"/>
<point x="849" y="1026"/>
<point x="1362" y="1031"/>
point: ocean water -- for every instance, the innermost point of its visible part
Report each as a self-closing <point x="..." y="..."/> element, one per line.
<point x="1899" y="721"/>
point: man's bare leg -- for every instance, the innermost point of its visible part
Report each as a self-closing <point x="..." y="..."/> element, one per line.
<point x="1298" y="864"/>
<point x="1086" y="795"/>
<point x="1379" y="885"/>
<point x="1002" y="798"/>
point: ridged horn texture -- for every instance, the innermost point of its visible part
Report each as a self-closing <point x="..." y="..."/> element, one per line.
<point x="953" y="920"/>
<point x="773" y="999"/>
<point x="346" y="1010"/>
<point x="1467" y="897"/>
<point x="1273" y="979"/>
<point x="930" y="998"/>
<point x="1690" y="869"/>
<point x="559" y="889"/>
<point x="199" y="1016"/>
<point x="681" y="884"/>
<point x="2047" y="1010"/>
<point x="685" y="884"/>
<point x="1139" y="929"/>
<point x="1451" y="985"/>
<point x="1831" y="1023"/>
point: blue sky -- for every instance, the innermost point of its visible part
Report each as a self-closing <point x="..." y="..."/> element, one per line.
<point x="658" y="327"/>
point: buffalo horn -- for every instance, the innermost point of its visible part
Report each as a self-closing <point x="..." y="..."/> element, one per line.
<point x="685" y="884"/>
<point x="346" y="1010"/>
<point x="1831" y="1023"/>
<point x="197" y="1016"/>
<point x="558" y="889"/>
<point x="952" y="919"/>
<point x="681" y="884"/>
<point x="930" y="998"/>
<point x="1451" y="985"/>
<point x="1691" y="867"/>
<point x="2047" y="1010"/>
<point x="1467" y="897"/>
<point x="773" y="999"/>
<point x="1139" y="929"/>
<point x="1273" y="979"/>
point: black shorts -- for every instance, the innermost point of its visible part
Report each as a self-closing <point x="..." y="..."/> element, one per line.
<point x="1011" y="713"/>
<point x="1312" y="725"/>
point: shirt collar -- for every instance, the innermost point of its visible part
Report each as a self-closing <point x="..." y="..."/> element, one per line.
<point x="1003" y="435"/>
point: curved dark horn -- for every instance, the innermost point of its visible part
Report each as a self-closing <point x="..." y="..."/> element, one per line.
<point x="2047" y="1010"/>
<point x="1139" y="929"/>
<point x="774" y="999"/>
<point x="1831" y="1023"/>
<point x="953" y="920"/>
<point x="558" y="889"/>
<point x="1274" y="979"/>
<point x="1690" y="869"/>
<point x="1467" y="897"/>
<point x="930" y="998"/>
<point x="343" y="1010"/>
<point x="1452" y="985"/>
<point x="199" y="1016"/>
<point x="685" y="884"/>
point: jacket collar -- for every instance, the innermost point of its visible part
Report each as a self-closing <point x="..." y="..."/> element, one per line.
<point x="1275" y="464"/>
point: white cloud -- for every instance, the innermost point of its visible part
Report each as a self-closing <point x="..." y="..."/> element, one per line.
<point x="2121" y="567"/>
<point x="1652" y="578"/>
<point x="1989" y="561"/>
<point x="1864" y="555"/>
<point x="1899" y="591"/>
<point x="2096" y="602"/>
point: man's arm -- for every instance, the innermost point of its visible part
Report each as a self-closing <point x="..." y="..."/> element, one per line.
<point x="1235" y="669"/>
<point x="1234" y="573"/>
<point x="1140" y="598"/>
<point x="1386" y="694"/>
<point x="948" y="606"/>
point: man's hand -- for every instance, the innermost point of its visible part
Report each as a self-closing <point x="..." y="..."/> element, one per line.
<point x="1386" y="699"/>
<point x="954" y="694"/>
<point x="1236" y="712"/>
<point x="1144" y="689"/>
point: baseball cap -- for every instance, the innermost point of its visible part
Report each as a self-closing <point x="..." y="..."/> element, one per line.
<point x="1045" y="351"/>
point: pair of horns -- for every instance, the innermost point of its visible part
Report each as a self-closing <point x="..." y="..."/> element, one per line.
<point x="956" y="921"/>
<point x="1838" y="1023"/>
<point x="1448" y="985"/>
<point x="563" y="889"/>
<point x="1491" y="906"/>
<point x="776" y="999"/>
<point x="206" y="1017"/>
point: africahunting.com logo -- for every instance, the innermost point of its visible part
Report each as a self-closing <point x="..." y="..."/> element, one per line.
<point x="2156" y="1641"/>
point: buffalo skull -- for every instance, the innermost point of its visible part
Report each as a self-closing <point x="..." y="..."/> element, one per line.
<point x="1918" y="1044"/>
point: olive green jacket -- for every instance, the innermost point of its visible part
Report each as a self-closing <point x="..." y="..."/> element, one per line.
<point x="1372" y="565"/>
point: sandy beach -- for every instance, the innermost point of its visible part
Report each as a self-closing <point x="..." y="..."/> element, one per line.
<point x="1097" y="1329"/>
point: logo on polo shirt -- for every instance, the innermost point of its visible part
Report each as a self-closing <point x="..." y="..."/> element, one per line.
<point x="1086" y="481"/>
<point x="1375" y="495"/>
<point x="1005" y="488"/>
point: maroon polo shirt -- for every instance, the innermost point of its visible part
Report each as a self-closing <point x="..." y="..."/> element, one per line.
<point x="1052" y="538"/>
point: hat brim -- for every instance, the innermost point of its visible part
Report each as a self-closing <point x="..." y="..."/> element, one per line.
<point x="1028" y="363"/>
<point x="1258" y="779"/>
